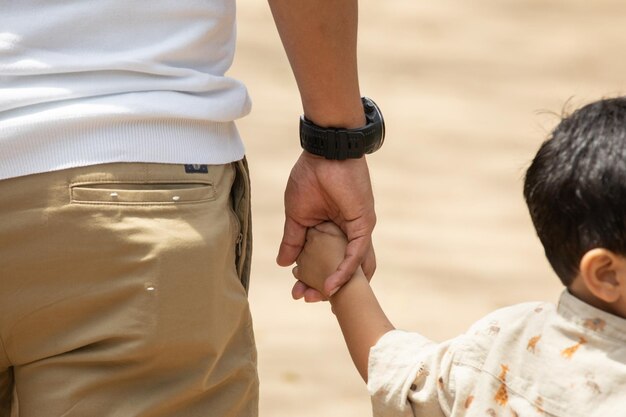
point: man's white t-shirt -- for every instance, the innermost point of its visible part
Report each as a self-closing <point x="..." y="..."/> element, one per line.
<point x="90" y="82"/>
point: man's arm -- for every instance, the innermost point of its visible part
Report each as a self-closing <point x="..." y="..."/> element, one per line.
<point x="319" y="37"/>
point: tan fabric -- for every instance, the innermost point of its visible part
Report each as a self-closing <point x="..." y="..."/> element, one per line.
<point x="120" y="296"/>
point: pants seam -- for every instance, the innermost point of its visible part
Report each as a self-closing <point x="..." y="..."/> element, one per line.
<point x="4" y="350"/>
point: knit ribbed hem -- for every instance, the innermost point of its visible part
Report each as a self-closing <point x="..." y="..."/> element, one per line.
<point x="67" y="145"/>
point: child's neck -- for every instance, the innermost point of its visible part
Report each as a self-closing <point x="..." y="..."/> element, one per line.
<point x="580" y="291"/>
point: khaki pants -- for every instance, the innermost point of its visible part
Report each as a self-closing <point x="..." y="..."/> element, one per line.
<point x="123" y="293"/>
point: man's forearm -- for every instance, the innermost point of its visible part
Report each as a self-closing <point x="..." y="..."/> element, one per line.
<point x="361" y="318"/>
<point x="320" y="38"/>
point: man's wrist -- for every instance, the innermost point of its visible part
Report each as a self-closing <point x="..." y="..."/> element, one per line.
<point x="347" y="113"/>
<point x="350" y="121"/>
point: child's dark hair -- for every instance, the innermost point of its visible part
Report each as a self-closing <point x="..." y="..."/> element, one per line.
<point x="575" y="187"/>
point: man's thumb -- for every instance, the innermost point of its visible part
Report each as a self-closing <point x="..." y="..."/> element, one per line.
<point x="294" y="236"/>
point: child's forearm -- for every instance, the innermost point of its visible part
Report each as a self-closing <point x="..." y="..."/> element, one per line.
<point x="361" y="319"/>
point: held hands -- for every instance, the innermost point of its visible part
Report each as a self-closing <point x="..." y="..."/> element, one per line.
<point x="320" y="190"/>
<point x="322" y="253"/>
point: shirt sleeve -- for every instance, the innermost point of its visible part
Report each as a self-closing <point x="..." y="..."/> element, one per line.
<point x="409" y="375"/>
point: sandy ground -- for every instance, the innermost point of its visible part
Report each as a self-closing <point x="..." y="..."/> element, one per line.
<point x="469" y="90"/>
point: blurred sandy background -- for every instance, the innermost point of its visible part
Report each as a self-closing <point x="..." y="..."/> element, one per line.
<point x="469" y="91"/>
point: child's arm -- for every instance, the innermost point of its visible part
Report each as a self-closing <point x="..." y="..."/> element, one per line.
<point x="358" y="312"/>
<point x="361" y="319"/>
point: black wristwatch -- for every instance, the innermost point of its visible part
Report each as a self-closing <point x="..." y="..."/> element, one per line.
<point x="340" y="144"/>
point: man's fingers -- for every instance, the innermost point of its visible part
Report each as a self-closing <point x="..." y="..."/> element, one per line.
<point x="294" y="235"/>
<point x="344" y="272"/>
<point x="369" y="263"/>
<point x="356" y="252"/>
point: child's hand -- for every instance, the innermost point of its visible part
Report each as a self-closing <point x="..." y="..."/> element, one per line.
<point x="323" y="252"/>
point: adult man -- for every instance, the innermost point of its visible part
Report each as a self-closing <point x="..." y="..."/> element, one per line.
<point x="124" y="239"/>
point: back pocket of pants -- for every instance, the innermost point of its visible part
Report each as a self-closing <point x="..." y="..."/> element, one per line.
<point x="144" y="193"/>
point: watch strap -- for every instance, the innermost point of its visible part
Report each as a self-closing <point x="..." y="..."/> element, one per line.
<point x="338" y="144"/>
<point x="341" y="143"/>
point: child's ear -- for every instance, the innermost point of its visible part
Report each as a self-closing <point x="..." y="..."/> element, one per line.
<point x="604" y="274"/>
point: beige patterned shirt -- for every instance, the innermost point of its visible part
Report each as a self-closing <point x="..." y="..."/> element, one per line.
<point x="531" y="359"/>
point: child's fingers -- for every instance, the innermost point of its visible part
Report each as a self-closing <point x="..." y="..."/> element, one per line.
<point x="298" y="290"/>
<point x="330" y="228"/>
<point x="312" y="295"/>
<point x="296" y="272"/>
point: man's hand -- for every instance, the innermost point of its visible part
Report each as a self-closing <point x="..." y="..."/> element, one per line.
<point x="320" y="190"/>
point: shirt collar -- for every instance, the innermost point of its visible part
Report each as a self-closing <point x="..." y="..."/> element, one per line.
<point x="591" y="318"/>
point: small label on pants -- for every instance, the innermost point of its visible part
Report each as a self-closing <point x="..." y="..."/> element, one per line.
<point x="196" y="169"/>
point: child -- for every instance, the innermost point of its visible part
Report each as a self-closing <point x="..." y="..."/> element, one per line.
<point x="531" y="359"/>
